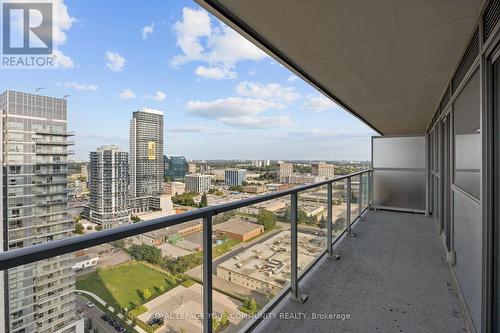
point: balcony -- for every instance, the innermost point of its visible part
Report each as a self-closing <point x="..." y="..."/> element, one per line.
<point x="392" y="277"/>
<point x="391" y="273"/>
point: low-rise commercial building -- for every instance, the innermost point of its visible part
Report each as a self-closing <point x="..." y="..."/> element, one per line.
<point x="273" y="206"/>
<point x="265" y="267"/>
<point x="173" y="188"/>
<point x="238" y="229"/>
<point x="254" y="189"/>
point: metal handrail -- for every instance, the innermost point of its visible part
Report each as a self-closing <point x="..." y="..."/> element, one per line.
<point x="48" y="250"/>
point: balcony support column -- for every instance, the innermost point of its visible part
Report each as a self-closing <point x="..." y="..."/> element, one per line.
<point x="207" y="274"/>
<point x="296" y="294"/>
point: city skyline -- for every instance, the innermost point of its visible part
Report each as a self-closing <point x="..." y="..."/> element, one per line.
<point x="243" y="105"/>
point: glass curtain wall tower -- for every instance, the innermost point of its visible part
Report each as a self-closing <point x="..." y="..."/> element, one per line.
<point x="37" y="297"/>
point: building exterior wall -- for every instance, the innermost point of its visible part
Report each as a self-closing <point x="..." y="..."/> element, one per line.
<point x="198" y="183"/>
<point x="284" y="170"/>
<point x="174" y="188"/>
<point x="323" y="169"/>
<point x="240" y="236"/>
<point x="176" y="167"/>
<point x="247" y="281"/>
<point x="235" y="177"/>
<point x="37" y="297"/>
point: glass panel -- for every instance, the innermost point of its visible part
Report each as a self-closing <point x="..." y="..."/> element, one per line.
<point x="312" y="225"/>
<point x="355" y="196"/>
<point x="399" y="152"/>
<point x="339" y="208"/>
<point x="251" y="260"/>
<point x="366" y="190"/>
<point x="143" y="282"/>
<point x="468" y="137"/>
<point x="400" y="189"/>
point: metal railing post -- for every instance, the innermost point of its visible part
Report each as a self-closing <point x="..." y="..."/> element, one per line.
<point x="207" y="274"/>
<point x="348" y="205"/>
<point x="360" y="195"/>
<point x="294" y="250"/>
<point x="371" y="188"/>
<point x="329" y="223"/>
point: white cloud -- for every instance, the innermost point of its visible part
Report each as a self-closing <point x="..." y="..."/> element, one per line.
<point x="354" y="132"/>
<point x="158" y="96"/>
<point x="194" y="25"/>
<point x="61" y="25"/>
<point x="215" y="73"/>
<point x="215" y="44"/>
<point x="115" y="62"/>
<point x="272" y="91"/>
<point x="258" y="122"/>
<point x="62" y="22"/>
<point x="292" y="78"/>
<point x="62" y="60"/>
<point x="147" y="30"/>
<point x="317" y="103"/>
<point x="201" y="130"/>
<point x="239" y="112"/>
<point x="252" y="71"/>
<point x="126" y="94"/>
<point x="80" y="86"/>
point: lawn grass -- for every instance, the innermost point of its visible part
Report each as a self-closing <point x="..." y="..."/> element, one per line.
<point x="223" y="248"/>
<point x="121" y="285"/>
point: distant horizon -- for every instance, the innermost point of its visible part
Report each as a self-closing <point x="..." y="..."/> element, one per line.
<point x="248" y="160"/>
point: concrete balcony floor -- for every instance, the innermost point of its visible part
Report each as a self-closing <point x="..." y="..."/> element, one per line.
<point x="392" y="277"/>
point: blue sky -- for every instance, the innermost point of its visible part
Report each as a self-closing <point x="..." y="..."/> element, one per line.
<point x="221" y="96"/>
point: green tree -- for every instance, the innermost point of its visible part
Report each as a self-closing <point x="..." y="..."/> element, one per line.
<point x="249" y="305"/>
<point x="235" y="188"/>
<point x="78" y="228"/>
<point x="146" y="294"/>
<point x="135" y="218"/>
<point x="146" y="253"/>
<point x="266" y="219"/>
<point x="98" y="227"/>
<point x="322" y="223"/>
<point x="184" y="199"/>
<point x="204" y="200"/>
<point x="301" y="216"/>
<point x="339" y="225"/>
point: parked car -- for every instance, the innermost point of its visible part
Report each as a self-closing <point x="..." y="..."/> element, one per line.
<point x="90" y="304"/>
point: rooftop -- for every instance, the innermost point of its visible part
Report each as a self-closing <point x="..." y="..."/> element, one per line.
<point x="237" y="225"/>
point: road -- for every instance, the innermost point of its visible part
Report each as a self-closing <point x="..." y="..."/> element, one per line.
<point x="95" y="313"/>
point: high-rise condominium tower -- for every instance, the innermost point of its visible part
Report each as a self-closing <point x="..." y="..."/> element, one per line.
<point x="323" y="169"/>
<point x="146" y="159"/>
<point x="108" y="184"/>
<point x="235" y="177"/>
<point x="37" y="297"/>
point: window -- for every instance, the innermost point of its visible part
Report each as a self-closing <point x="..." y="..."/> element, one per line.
<point x="468" y="138"/>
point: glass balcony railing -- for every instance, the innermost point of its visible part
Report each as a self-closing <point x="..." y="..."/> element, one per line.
<point x="217" y="268"/>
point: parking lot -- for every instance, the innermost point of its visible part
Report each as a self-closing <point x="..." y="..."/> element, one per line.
<point x="96" y="314"/>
